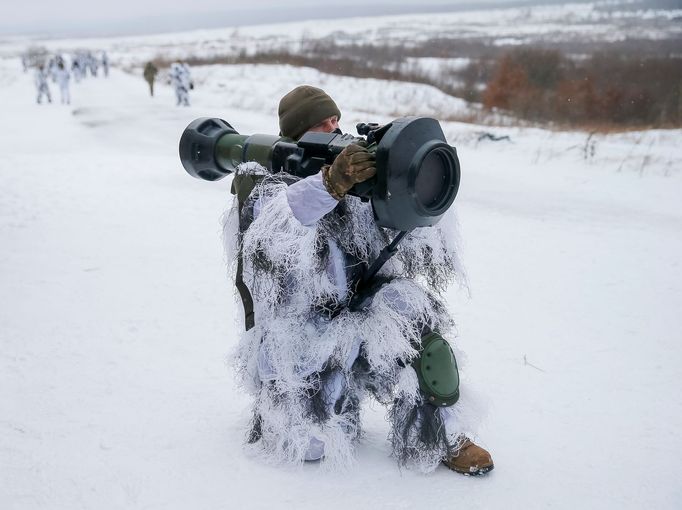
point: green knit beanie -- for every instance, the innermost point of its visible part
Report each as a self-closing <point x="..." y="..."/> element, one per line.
<point x="302" y="108"/>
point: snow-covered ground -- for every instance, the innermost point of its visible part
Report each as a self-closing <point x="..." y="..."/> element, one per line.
<point x="116" y="314"/>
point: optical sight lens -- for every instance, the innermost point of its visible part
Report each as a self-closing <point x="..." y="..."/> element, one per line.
<point x="431" y="184"/>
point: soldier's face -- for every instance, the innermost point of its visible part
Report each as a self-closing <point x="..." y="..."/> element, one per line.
<point x="328" y="125"/>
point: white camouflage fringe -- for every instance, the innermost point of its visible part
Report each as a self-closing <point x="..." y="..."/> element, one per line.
<point x="279" y="361"/>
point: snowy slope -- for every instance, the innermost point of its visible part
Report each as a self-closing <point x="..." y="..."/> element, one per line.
<point x="116" y="315"/>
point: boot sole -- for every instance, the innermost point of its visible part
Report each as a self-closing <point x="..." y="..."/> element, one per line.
<point x="479" y="472"/>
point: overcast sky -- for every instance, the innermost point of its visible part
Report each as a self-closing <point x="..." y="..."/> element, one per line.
<point x="88" y="17"/>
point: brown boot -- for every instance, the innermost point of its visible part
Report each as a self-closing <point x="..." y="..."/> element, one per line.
<point x="470" y="459"/>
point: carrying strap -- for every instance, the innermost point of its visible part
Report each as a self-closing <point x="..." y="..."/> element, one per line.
<point x="242" y="186"/>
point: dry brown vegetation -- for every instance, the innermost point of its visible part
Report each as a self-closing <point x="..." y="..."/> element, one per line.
<point x="602" y="90"/>
<point x="612" y="86"/>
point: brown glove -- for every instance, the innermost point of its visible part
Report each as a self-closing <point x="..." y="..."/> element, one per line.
<point x="354" y="164"/>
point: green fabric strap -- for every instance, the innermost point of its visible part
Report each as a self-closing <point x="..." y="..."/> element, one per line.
<point x="242" y="186"/>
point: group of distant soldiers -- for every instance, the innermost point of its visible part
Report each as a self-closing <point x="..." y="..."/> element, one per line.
<point x="179" y="77"/>
<point x="85" y="61"/>
<point x="57" y="69"/>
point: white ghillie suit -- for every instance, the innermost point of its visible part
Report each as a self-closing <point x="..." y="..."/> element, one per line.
<point x="308" y="369"/>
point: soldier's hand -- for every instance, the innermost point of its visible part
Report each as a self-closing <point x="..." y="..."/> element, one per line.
<point x="354" y="164"/>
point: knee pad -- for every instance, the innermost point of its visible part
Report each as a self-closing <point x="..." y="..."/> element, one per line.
<point x="437" y="372"/>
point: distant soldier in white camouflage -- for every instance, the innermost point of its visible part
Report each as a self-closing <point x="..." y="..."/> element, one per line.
<point x="105" y="64"/>
<point x="52" y="69"/>
<point x="40" y="79"/>
<point x="92" y="63"/>
<point x="63" y="78"/>
<point x="77" y="68"/>
<point x="182" y="83"/>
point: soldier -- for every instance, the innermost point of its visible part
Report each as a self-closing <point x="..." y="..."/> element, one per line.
<point x="310" y="354"/>
<point x="77" y="67"/>
<point x="51" y="69"/>
<point x="40" y="79"/>
<point x="150" y="72"/>
<point x="188" y="84"/>
<point x="63" y="77"/>
<point x="92" y="63"/>
<point x="182" y="83"/>
<point x="105" y="64"/>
